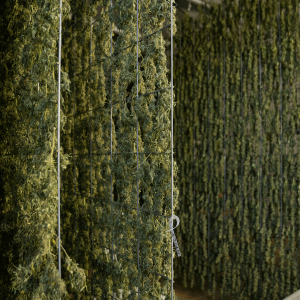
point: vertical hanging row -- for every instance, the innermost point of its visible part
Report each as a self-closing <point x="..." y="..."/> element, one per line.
<point x="80" y="137"/>
<point x="38" y="103"/>
<point x="242" y="241"/>
<point x="186" y="115"/>
<point x="241" y="132"/>
<point x="106" y="102"/>
<point x="198" y="218"/>
<point x="72" y="223"/>
<point x="87" y="139"/>
<point x="291" y="134"/>
<point x="13" y="167"/>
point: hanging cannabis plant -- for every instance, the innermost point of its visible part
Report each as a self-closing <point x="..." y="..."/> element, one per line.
<point x="236" y="138"/>
<point x="116" y="151"/>
<point x="35" y="61"/>
<point x="13" y="18"/>
<point x="135" y="233"/>
<point x="101" y="183"/>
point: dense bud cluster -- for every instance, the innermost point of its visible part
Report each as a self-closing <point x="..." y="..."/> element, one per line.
<point x="237" y="120"/>
<point x="105" y="234"/>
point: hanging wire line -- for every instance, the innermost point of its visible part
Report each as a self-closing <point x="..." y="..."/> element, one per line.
<point x="137" y="141"/>
<point x="180" y="84"/>
<point x="171" y="4"/>
<point x="58" y="138"/>
<point x="111" y="160"/>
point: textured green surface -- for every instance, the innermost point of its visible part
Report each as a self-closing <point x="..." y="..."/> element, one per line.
<point x="95" y="218"/>
<point x="9" y="250"/>
<point x="90" y="223"/>
<point x="240" y="120"/>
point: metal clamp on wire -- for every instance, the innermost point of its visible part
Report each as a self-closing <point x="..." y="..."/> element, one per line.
<point x="173" y="234"/>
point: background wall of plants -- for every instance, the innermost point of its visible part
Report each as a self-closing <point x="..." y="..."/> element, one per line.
<point x="237" y="147"/>
<point x="114" y="208"/>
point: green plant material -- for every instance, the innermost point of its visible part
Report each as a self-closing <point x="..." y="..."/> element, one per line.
<point x="14" y="16"/>
<point x="105" y="85"/>
<point x="237" y="230"/>
<point x="33" y="59"/>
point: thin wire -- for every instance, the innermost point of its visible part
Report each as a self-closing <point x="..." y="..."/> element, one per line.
<point x="58" y="138"/>
<point x="137" y="139"/>
<point x="91" y="155"/>
<point x="180" y="84"/>
<point x="171" y="2"/>
<point x="111" y="176"/>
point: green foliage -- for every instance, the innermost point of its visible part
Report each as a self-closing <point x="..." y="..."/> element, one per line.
<point x="28" y="156"/>
<point x="237" y="150"/>
<point x="100" y="112"/>
<point x="104" y="95"/>
<point x="36" y="62"/>
<point x="8" y="125"/>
